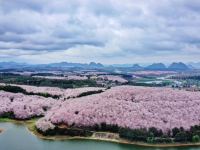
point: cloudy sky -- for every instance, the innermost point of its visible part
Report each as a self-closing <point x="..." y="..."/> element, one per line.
<point x="106" y="31"/>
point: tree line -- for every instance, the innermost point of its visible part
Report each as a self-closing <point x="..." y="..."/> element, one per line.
<point x="16" y="89"/>
<point x="28" y="80"/>
<point x="151" y="135"/>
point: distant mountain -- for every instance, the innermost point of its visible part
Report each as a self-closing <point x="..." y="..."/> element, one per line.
<point x="122" y="65"/>
<point x="12" y="65"/>
<point x="95" y="65"/>
<point x="137" y="67"/>
<point x="56" y="66"/>
<point x="178" y="66"/>
<point x="195" y="65"/>
<point x="191" y="67"/>
<point x="156" y="66"/>
<point x="63" y="65"/>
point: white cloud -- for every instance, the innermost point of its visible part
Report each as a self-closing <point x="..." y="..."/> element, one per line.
<point x="108" y="31"/>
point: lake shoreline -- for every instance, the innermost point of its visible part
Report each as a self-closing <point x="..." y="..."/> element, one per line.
<point x="116" y="141"/>
<point x="30" y="125"/>
<point x="61" y="138"/>
<point x="119" y="141"/>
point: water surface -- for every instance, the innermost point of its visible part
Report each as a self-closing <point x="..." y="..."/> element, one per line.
<point x="17" y="137"/>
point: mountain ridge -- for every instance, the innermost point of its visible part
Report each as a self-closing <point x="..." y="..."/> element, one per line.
<point x="175" y="66"/>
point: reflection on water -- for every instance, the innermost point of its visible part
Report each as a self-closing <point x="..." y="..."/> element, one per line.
<point x="16" y="137"/>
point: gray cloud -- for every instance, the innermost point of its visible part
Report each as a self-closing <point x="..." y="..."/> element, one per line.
<point x="105" y="29"/>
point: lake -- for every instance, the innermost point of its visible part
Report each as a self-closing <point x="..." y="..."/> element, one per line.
<point x="17" y="137"/>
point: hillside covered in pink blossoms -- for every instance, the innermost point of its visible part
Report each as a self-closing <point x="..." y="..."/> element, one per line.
<point x="128" y="106"/>
<point x="23" y="106"/>
<point x="63" y="93"/>
<point x="113" y="78"/>
<point x="20" y="106"/>
<point x="70" y="77"/>
<point x="125" y="106"/>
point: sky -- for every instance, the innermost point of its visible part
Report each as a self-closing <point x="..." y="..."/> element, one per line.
<point x="106" y="31"/>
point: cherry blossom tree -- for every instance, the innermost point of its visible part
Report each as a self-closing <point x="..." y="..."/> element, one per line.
<point x="132" y="107"/>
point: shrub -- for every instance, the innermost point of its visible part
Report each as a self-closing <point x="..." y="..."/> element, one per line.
<point x="89" y="93"/>
<point x="156" y="132"/>
<point x="195" y="138"/>
<point x="181" y="137"/>
<point x="13" y="89"/>
<point x="175" y="131"/>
